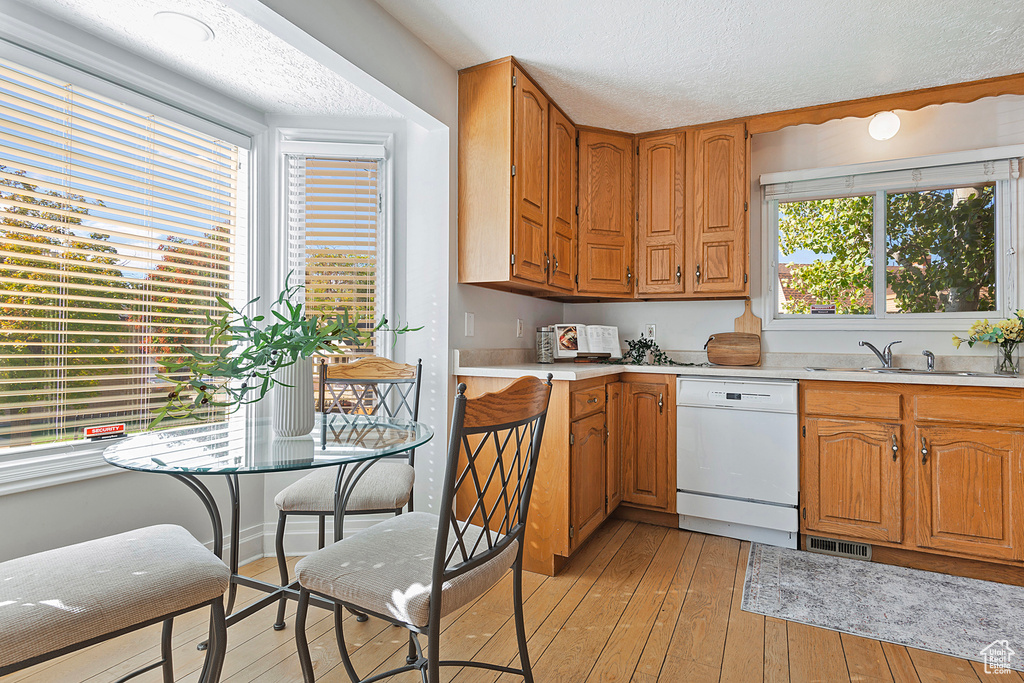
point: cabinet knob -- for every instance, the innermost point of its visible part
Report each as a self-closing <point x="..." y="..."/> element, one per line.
<point x="679" y="273"/>
<point x="698" y="273"/>
<point x="556" y="264"/>
<point x="547" y="262"/>
<point x="661" y="403"/>
<point x="924" y="451"/>
<point x="628" y="274"/>
<point x="895" y="448"/>
<point x="592" y="400"/>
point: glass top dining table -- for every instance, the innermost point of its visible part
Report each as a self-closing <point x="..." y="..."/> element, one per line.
<point x="241" y="446"/>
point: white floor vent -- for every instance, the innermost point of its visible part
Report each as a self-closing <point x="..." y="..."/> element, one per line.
<point x="830" y="546"/>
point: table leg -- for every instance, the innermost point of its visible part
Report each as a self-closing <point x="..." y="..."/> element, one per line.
<point x="199" y="488"/>
<point x="343" y="488"/>
<point x="233" y="491"/>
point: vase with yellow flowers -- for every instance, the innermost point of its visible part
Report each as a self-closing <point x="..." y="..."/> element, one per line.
<point x="1006" y="335"/>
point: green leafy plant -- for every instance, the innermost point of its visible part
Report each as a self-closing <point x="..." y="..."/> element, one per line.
<point x="245" y="368"/>
<point x="638" y="350"/>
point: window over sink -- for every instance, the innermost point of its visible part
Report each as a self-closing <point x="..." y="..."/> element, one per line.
<point x="910" y="243"/>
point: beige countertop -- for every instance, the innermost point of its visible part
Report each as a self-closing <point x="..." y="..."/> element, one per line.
<point x="578" y="371"/>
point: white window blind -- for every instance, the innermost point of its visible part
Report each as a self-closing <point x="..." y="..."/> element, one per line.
<point x="334" y="217"/>
<point x="117" y="231"/>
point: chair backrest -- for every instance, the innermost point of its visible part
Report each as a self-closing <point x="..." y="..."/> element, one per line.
<point x="372" y="386"/>
<point x="492" y="460"/>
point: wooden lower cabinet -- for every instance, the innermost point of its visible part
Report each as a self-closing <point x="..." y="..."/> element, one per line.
<point x="968" y="486"/>
<point x="852" y="482"/>
<point x="942" y="471"/>
<point x="581" y="471"/>
<point x="648" y="420"/>
<point x="587" y="462"/>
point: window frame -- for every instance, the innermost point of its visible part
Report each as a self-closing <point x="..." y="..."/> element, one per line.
<point x="25" y="468"/>
<point x="350" y="145"/>
<point x="875" y="179"/>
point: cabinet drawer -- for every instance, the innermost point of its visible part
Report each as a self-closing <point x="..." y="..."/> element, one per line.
<point x="863" y="404"/>
<point x="587" y="401"/>
<point x="982" y="410"/>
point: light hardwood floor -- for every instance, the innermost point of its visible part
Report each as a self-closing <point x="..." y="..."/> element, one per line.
<point x="638" y="603"/>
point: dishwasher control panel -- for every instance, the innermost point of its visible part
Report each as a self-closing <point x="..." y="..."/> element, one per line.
<point x="775" y="396"/>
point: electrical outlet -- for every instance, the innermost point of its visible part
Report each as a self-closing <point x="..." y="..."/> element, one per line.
<point x="470" y="324"/>
<point x="649" y="330"/>
<point x="519" y="328"/>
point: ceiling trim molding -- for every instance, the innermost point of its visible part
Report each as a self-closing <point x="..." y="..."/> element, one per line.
<point x="909" y="100"/>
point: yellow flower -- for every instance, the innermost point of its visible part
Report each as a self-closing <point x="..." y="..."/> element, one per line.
<point x="1011" y="328"/>
<point x="957" y="341"/>
<point x="979" y="327"/>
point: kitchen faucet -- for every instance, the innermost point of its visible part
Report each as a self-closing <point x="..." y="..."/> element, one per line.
<point x="931" y="359"/>
<point x="884" y="355"/>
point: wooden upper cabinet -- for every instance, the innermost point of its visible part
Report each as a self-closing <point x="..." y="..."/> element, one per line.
<point x="719" y="239"/>
<point x="969" y="491"/>
<point x="646" y="445"/>
<point x="530" y="182"/>
<point x="605" y="240"/>
<point x="852" y="481"/>
<point x="661" y="181"/>
<point x="562" y="201"/>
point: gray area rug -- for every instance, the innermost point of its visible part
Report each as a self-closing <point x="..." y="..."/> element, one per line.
<point x="946" y="614"/>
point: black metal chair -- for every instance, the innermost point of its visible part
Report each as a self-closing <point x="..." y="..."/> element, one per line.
<point x="414" y="569"/>
<point x="369" y="386"/>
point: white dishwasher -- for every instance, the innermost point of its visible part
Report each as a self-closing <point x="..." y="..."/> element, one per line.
<point x="737" y="449"/>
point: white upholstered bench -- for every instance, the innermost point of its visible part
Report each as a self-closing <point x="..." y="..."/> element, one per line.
<point x="59" y="601"/>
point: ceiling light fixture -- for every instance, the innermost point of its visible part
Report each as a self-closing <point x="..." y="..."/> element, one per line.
<point x="884" y="125"/>
<point x="183" y="28"/>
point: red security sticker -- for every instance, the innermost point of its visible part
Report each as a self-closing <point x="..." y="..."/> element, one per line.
<point x="105" y="432"/>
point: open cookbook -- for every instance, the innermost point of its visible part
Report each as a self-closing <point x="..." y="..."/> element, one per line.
<point x="572" y="340"/>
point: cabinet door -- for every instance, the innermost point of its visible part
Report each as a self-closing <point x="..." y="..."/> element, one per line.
<point x="969" y="491"/>
<point x="720" y="218"/>
<point x="530" y="183"/>
<point x="613" y="446"/>
<point x="586" y="476"/>
<point x="605" y="244"/>
<point x="660" y="201"/>
<point x="851" y="479"/>
<point x="562" y="196"/>
<point x="646" y="451"/>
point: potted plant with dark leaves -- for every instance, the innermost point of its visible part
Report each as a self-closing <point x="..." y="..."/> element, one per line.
<point x="258" y="354"/>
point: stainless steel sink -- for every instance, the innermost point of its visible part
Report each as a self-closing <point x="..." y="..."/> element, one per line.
<point x="909" y="371"/>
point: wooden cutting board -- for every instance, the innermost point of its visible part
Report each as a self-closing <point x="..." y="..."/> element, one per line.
<point x="748" y="322"/>
<point x="734" y="348"/>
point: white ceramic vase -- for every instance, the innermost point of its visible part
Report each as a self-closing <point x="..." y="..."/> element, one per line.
<point x="293" y="411"/>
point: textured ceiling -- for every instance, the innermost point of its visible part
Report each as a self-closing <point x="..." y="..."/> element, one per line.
<point x="639" y="65"/>
<point x="244" y="61"/>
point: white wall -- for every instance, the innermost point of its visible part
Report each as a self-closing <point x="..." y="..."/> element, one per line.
<point x="990" y="122"/>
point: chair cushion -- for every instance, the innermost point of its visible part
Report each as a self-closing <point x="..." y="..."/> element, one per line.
<point x="58" y="598"/>
<point x="387" y="569"/>
<point x="387" y="485"/>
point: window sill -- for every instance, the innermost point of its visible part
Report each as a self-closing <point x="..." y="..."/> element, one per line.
<point x="39" y="467"/>
<point x="957" y="325"/>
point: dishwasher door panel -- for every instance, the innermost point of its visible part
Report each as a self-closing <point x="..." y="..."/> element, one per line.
<point x="746" y="455"/>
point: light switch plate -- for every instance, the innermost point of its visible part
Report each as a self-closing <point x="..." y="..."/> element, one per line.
<point x="470" y="324"/>
<point x="519" y="328"/>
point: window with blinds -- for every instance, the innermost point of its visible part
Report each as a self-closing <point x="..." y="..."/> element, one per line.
<point x="334" y="216"/>
<point x="118" y="229"/>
